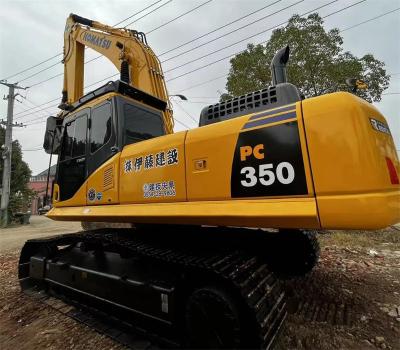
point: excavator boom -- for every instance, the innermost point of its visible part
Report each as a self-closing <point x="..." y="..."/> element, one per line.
<point x="127" y="49"/>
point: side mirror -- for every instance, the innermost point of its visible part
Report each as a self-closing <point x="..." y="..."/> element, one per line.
<point x="52" y="136"/>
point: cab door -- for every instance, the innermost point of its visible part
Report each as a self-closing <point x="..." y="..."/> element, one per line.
<point x="72" y="165"/>
<point x="102" y="155"/>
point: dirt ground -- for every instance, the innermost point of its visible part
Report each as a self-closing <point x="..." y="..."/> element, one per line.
<point x="14" y="237"/>
<point x="351" y="300"/>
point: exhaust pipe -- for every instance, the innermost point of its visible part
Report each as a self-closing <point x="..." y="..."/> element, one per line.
<point x="278" y="66"/>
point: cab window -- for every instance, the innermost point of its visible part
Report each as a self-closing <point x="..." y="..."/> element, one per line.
<point x="100" y="128"/>
<point x="74" y="141"/>
<point x="141" y="124"/>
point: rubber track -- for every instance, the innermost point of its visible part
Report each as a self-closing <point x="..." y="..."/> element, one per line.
<point x="261" y="292"/>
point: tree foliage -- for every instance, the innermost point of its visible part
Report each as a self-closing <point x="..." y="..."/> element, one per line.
<point x="20" y="194"/>
<point x="317" y="63"/>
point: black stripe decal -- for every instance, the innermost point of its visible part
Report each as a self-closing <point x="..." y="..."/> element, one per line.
<point x="275" y="111"/>
<point x="278" y="118"/>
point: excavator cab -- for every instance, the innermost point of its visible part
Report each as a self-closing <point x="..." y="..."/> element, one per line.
<point x="98" y="127"/>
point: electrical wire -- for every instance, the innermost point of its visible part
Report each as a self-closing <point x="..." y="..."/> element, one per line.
<point x="95" y="58"/>
<point x="144" y="9"/>
<point x="215" y="30"/>
<point x="99" y="56"/>
<point x="32" y="103"/>
<point x="37" y="73"/>
<point x="369" y="20"/>
<point x="219" y="77"/>
<point x="60" y="54"/>
<point x="148" y="13"/>
<point x="234" y="31"/>
<point x="236" y="53"/>
<point x="249" y="37"/>
<point x="259" y="33"/>
<point x="180" y="16"/>
<point x="184" y="111"/>
<point x="245" y="39"/>
<point x="154" y="29"/>
<point x="34" y="66"/>
<point x="225" y="75"/>
<point x="202" y="83"/>
<point x="41" y="109"/>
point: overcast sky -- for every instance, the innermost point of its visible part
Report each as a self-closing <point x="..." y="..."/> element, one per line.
<point x="32" y="31"/>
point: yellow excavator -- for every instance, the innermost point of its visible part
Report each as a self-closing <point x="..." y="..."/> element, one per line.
<point x="219" y="213"/>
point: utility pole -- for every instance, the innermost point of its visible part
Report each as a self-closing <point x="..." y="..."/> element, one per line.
<point x="6" y="152"/>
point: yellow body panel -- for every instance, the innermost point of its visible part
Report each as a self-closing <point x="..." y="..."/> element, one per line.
<point x="346" y="178"/>
<point x="79" y="198"/>
<point x="213" y="144"/>
<point x="250" y="213"/>
<point x="105" y="180"/>
<point x="348" y="162"/>
<point x="155" y="179"/>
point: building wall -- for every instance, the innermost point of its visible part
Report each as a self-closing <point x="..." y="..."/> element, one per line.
<point x="38" y="184"/>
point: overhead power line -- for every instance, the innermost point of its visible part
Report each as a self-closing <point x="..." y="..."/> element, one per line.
<point x="235" y="30"/>
<point x="222" y="76"/>
<point x="369" y="20"/>
<point x="99" y="56"/>
<point x="183" y="124"/>
<point x="33" y="104"/>
<point x="225" y="75"/>
<point x="136" y="13"/>
<point x="60" y="54"/>
<point x="31" y="67"/>
<point x="39" y="72"/>
<point x="203" y="83"/>
<point x="236" y="53"/>
<point x="184" y="111"/>
<point x="315" y="9"/>
<point x="169" y="50"/>
<point x="148" y="13"/>
<point x="40" y="105"/>
<point x="154" y="29"/>
<point x="231" y="32"/>
<point x="180" y="16"/>
<point x="235" y="43"/>
<point x="215" y="30"/>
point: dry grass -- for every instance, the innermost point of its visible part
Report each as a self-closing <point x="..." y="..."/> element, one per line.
<point x="389" y="236"/>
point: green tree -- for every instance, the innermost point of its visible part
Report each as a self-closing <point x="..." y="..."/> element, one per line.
<point x="20" y="194"/>
<point x="317" y="63"/>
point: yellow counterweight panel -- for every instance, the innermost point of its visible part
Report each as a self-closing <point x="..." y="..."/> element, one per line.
<point x="348" y="160"/>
